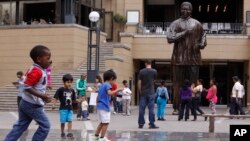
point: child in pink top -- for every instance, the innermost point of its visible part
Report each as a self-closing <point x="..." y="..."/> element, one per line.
<point x="212" y="96"/>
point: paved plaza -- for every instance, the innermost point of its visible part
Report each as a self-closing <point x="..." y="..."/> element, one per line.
<point x="125" y="128"/>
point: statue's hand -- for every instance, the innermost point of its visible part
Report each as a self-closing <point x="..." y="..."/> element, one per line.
<point x="201" y="46"/>
<point x="196" y="46"/>
<point x="188" y="31"/>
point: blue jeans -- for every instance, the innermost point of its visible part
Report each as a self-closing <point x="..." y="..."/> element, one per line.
<point x="28" y="112"/>
<point x="161" y="105"/>
<point x="113" y="99"/>
<point x="119" y="106"/>
<point x="146" y="100"/>
<point x="85" y="114"/>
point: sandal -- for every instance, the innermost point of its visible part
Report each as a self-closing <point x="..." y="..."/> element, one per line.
<point x="70" y="135"/>
<point x="63" y="136"/>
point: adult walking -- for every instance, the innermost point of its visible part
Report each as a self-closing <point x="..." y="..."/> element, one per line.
<point x="198" y="94"/>
<point x="146" y="80"/>
<point x="186" y="95"/>
<point x="162" y="99"/>
<point x="196" y="98"/>
<point x="236" y="98"/>
<point x="212" y="96"/>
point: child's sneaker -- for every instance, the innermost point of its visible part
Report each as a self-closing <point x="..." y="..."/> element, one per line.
<point x="63" y="136"/>
<point x="104" y="139"/>
<point x="70" y="135"/>
<point x="95" y="138"/>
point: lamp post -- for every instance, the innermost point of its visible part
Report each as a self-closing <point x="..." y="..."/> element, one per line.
<point x="93" y="48"/>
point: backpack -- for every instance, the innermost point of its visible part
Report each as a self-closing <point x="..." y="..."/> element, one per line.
<point x="163" y="94"/>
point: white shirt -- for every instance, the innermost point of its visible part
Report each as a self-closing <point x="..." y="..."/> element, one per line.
<point x="35" y="72"/>
<point x="20" y="86"/>
<point x="198" y="88"/>
<point x="84" y="105"/>
<point x="237" y="87"/>
<point x="242" y="91"/>
<point x="126" y="93"/>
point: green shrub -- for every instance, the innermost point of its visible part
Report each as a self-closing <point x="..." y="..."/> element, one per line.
<point x="120" y="19"/>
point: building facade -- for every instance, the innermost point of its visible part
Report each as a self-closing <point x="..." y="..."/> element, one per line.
<point x="143" y="36"/>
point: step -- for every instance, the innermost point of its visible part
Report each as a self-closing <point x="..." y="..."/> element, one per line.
<point x="4" y="100"/>
<point x="15" y="109"/>
<point x="8" y="94"/>
<point x="14" y="104"/>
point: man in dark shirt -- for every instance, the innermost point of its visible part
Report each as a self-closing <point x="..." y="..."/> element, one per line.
<point x="146" y="80"/>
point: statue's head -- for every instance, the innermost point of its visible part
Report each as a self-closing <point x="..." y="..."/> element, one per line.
<point x="186" y="10"/>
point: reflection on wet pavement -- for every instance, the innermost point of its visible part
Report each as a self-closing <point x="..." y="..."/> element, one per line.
<point x="54" y="135"/>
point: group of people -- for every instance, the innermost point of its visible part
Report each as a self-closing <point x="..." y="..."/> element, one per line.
<point x="190" y="95"/>
<point x="121" y="100"/>
<point x="32" y="97"/>
<point x="188" y="37"/>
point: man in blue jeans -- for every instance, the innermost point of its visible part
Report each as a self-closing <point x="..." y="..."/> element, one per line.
<point x="146" y="80"/>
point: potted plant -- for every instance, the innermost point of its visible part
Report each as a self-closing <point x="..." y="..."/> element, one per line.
<point x="120" y="19"/>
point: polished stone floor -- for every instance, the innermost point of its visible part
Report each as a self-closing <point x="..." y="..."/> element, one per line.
<point x="161" y="136"/>
<point x="54" y="135"/>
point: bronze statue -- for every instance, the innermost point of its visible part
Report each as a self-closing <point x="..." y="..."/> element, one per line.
<point x="189" y="38"/>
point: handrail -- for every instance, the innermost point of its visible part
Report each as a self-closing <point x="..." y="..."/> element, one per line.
<point x="212" y="119"/>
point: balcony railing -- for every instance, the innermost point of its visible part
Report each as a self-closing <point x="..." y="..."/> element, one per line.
<point x="224" y="28"/>
<point x="210" y="28"/>
<point x="152" y="28"/>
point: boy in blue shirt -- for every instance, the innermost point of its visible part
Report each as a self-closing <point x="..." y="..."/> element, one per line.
<point x="103" y="105"/>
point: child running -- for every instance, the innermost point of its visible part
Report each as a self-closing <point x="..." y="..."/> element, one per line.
<point x="103" y="106"/>
<point x="34" y="97"/>
<point x="66" y="96"/>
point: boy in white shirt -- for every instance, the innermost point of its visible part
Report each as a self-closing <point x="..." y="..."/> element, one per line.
<point x="126" y="98"/>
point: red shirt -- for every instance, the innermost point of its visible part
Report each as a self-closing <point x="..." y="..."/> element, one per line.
<point x="114" y="87"/>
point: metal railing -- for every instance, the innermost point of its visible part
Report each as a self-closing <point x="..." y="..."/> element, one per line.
<point x="210" y="28"/>
<point x="224" y="28"/>
<point x="151" y="28"/>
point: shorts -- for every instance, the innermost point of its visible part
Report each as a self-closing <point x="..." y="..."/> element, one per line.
<point x="66" y="116"/>
<point x="103" y="116"/>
